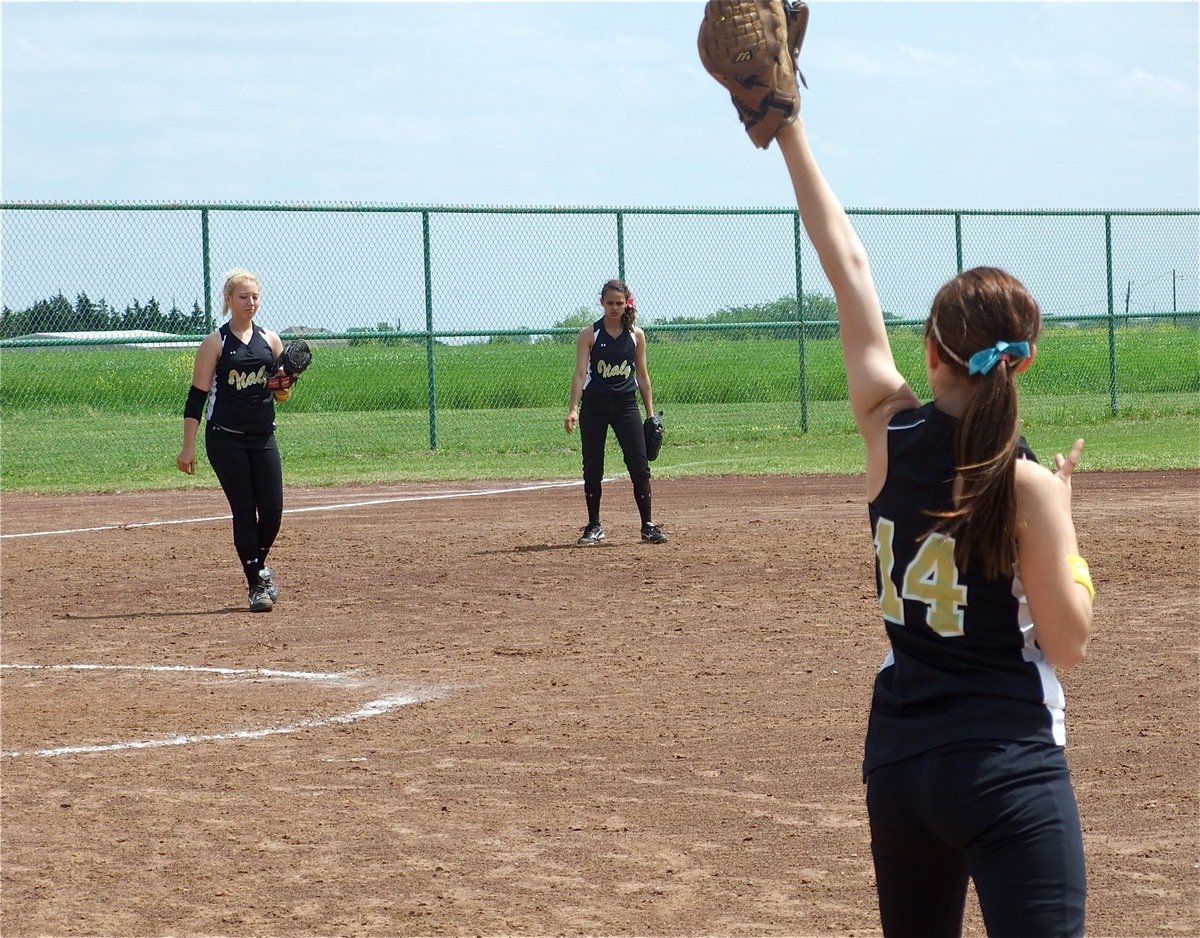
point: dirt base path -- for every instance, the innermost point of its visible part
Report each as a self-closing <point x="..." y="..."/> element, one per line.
<point x="456" y="722"/>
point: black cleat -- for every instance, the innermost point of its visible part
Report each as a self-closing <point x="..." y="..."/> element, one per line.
<point x="266" y="576"/>
<point x="260" y="599"/>
<point x="652" y="534"/>
<point x="592" y="534"/>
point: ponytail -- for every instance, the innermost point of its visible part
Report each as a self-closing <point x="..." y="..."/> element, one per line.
<point x="983" y="322"/>
<point x="629" y="317"/>
<point x="983" y="523"/>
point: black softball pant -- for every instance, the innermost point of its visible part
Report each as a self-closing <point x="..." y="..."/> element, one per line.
<point x="1002" y="814"/>
<point x="251" y="475"/>
<point x="619" y="411"/>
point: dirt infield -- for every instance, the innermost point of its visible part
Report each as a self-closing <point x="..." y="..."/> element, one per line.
<point x="456" y="723"/>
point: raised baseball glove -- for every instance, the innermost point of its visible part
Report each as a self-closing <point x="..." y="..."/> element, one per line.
<point x="653" y="428"/>
<point x="752" y="47"/>
<point x="296" y="357"/>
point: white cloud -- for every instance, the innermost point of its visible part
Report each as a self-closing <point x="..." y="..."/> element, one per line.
<point x="1150" y="90"/>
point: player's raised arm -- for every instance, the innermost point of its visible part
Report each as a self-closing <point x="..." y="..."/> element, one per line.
<point x="752" y="48"/>
<point x="877" y="389"/>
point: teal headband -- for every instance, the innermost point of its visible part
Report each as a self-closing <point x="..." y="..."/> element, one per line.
<point x="985" y="360"/>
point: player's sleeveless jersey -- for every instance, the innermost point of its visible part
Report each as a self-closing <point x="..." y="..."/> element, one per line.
<point x="611" y="369"/>
<point x="238" y="399"/>
<point x="964" y="664"/>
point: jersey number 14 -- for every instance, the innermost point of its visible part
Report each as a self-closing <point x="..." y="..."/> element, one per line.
<point x="931" y="577"/>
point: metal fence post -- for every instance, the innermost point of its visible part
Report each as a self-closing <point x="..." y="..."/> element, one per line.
<point x="958" y="241"/>
<point x="207" y="261"/>
<point x="621" y="245"/>
<point x="1112" y="320"/>
<point x="796" y="242"/>
<point x="429" y="372"/>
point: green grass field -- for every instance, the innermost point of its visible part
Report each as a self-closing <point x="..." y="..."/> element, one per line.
<point x="104" y="420"/>
<point x="72" y="452"/>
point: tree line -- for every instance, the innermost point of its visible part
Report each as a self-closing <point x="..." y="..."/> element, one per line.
<point x="782" y="313"/>
<point x="59" y="314"/>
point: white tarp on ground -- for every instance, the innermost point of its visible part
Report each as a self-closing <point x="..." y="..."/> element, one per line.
<point x="125" y="337"/>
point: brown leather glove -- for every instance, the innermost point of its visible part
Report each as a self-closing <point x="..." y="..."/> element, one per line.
<point x="752" y="47"/>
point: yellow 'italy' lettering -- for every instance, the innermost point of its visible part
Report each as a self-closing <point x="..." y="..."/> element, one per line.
<point x="242" y="381"/>
<point x="606" y="370"/>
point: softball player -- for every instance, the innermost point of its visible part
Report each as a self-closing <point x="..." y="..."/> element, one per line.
<point x="610" y="371"/>
<point x="977" y="565"/>
<point x="983" y="594"/>
<point x="229" y="388"/>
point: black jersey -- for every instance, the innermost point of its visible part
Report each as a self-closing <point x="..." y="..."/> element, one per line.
<point x="611" y="368"/>
<point x="964" y="663"/>
<point x="239" y="399"/>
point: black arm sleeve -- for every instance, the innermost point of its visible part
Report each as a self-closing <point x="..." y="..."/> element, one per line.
<point x="194" y="407"/>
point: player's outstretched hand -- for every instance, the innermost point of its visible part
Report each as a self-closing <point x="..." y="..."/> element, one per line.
<point x="1065" y="466"/>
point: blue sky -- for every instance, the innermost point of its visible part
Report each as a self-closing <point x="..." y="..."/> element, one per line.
<point x="912" y="105"/>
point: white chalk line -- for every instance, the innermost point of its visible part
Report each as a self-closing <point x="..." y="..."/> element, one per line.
<point x="337" y="506"/>
<point x="335" y="676"/>
<point x="372" y="708"/>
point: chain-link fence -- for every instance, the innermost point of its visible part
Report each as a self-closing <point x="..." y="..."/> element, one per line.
<point x="441" y="310"/>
